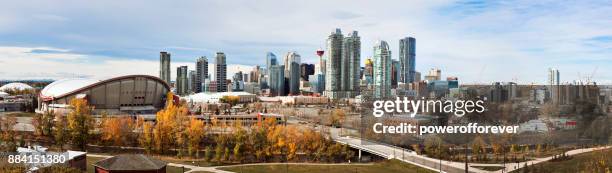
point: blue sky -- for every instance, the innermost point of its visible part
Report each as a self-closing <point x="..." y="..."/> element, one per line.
<point x="477" y="41"/>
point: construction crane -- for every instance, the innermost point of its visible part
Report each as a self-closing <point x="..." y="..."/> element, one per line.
<point x="589" y="78"/>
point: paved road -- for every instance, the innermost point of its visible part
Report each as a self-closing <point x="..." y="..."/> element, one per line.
<point x="393" y="152"/>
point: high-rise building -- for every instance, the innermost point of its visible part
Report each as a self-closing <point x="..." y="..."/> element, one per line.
<point x="254" y="74"/>
<point x="554" y="86"/>
<point x="553" y="76"/>
<point x="182" y="84"/>
<point x="342" y="65"/>
<point x="238" y="81"/>
<point x="270" y="61"/>
<point x="164" y="66"/>
<point x="395" y="73"/>
<point x="382" y="70"/>
<point x="434" y="74"/>
<point x="277" y="80"/>
<point x="201" y="74"/>
<point x="306" y="70"/>
<point x="333" y="84"/>
<point x="221" y="72"/>
<point x="407" y="53"/>
<point x="351" y="57"/>
<point x="292" y="71"/>
<point x="192" y="81"/>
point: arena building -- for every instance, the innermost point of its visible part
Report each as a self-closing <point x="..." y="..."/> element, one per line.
<point x="132" y="94"/>
<point x="15" y="86"/>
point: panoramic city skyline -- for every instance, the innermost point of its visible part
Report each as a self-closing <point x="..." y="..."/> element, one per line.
<point x="476" y="41"/>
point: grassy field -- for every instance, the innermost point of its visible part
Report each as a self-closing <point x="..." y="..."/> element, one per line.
<point x="578" y="163"/>
<point x="394" y="166"/>
<point x="91" y="160"/>
<point x="489" y="168"/>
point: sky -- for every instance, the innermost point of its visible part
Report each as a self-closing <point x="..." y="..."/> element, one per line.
<point x="476" y="41"/>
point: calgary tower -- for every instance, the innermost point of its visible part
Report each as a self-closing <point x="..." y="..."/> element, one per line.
<point x="321" y="66"/>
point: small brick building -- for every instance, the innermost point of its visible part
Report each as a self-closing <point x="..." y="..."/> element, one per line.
<point x="133" y="163"/>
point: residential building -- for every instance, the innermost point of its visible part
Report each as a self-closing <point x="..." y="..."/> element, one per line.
<point x="382" y="70"/>
<point x="407" y="49"/>
<point x="221" y="72"/>
<point x="164" y="66"/>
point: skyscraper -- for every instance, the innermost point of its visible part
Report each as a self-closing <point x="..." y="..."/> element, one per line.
<point x="292" y="71"/>
<point x="554" y="87"/>
<point x="192" y="81"/>
<point x="407" y="53"/>
<point x="395" y="73"/>
<point x="333" y="81"/>
<point x="351" y="58"/>
<point x="553" y="76"/>
<point x="201" y="73"/>
<point x="181" y="80"/>
<point x="342" y="68"/>
<point x="277" y="80"/>
<point x="221" y="72"/>
<point x="382" y="70"/>
<point x="270" y="61"/>
<point x="164" y="66"/>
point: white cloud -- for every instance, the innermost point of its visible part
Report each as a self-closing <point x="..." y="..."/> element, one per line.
<point x="481" y="43"/>
<point x="19" y="63"/>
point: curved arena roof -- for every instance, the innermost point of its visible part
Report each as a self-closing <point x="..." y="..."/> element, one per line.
<point x="65" y="87"/>
<point x="15" y="85"/>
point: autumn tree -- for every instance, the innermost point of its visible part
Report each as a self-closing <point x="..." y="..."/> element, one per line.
<point x="116" y="130"/>
<point x="416" y="148"/>
<point x="478" y="147"/>
<point x="60" y="131"/>
<point x="232" y="100"/>
<point x="167" y="127"/>
<point x="195" y="133"/>
<point x="146" y="139"/>
<point x="8" y="135"/>
<point x="43" y="123"/>
<point x="237" y="154"/>
<point x="434" y="146"/>
<point x="218" y="153"/>
<point x="207" y="154"/>
<point x="80" y="122"/>
<point x="337" y="117"/>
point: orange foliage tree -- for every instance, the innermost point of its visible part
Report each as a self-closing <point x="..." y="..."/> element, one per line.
<point x="116" y="130"/>
<point x="80" y="122"/>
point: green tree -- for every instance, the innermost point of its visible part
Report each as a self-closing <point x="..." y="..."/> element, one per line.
<point x="218" y="153"/>
<point x="226" y="154"/>
<point x="60" y="132"/>
<point x="207" y="154"/>
<point x="80" y="122"/>
<point x="237" y="155"/>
